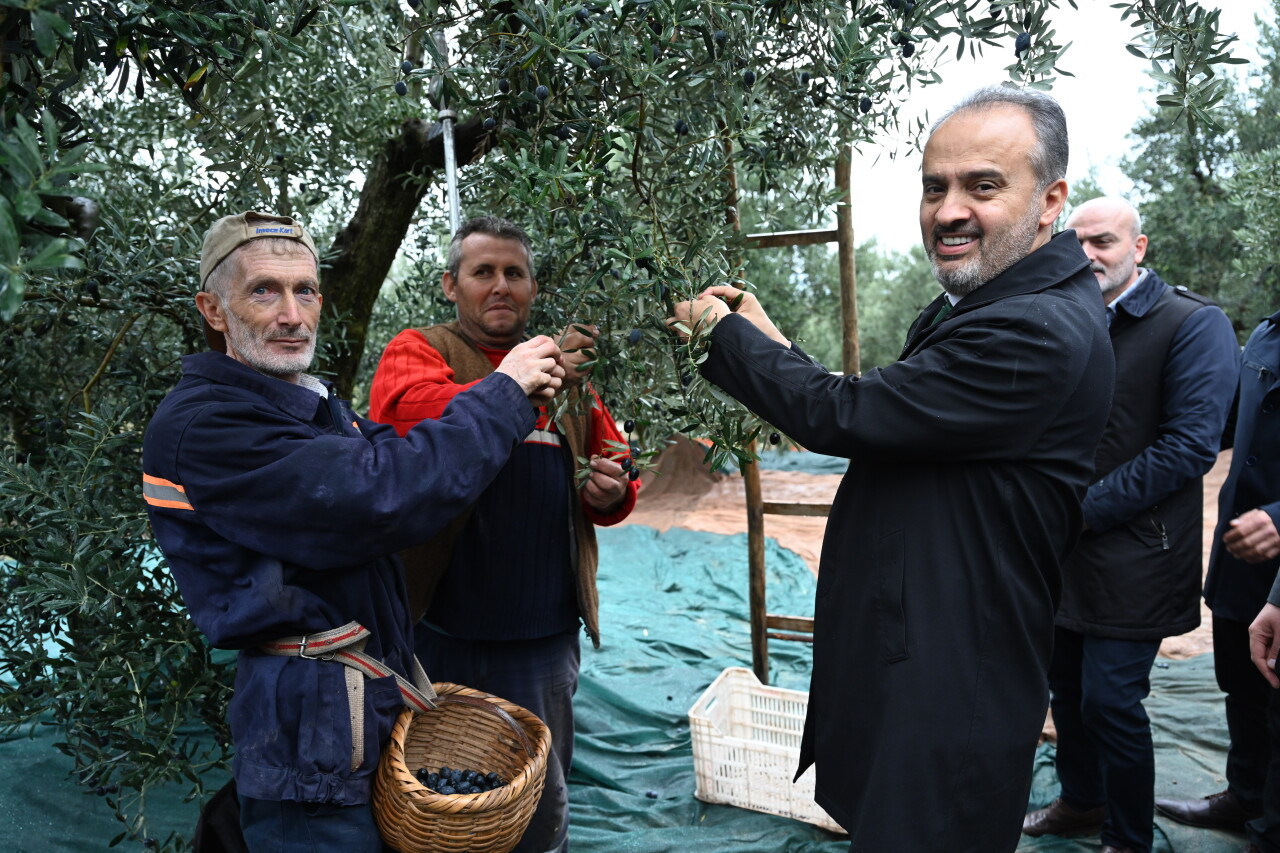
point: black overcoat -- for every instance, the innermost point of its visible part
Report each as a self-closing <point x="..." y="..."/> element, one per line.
<point x="939" y="574"/>
<point x="1235" y="589"/>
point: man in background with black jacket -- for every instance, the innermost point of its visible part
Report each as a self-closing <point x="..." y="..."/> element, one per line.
<point x="1134" y="577"/>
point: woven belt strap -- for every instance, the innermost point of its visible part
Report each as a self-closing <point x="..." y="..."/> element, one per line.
<point x="346" y="646"/>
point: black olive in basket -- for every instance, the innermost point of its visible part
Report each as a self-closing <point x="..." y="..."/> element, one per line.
<point x="455" y="780"/>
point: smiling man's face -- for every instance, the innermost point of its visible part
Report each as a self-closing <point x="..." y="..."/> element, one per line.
<point x="980" y="209"/>
<point x="493" y="290"/>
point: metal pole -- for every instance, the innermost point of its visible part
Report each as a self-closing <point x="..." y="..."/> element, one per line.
<point x="447" y="117"/>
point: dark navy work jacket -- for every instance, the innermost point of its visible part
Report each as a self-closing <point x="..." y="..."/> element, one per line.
<point x="279" y="512"/>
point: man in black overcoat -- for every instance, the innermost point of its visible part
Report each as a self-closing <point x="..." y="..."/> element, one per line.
<point x="969" y="458"/>
<point x="1243" y="585"/>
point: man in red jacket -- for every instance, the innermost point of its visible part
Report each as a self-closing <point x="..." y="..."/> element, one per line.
<point x="505" y="588"/>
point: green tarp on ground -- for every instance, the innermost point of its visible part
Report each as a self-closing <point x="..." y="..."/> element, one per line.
<point x="674" y="611"/>
<point x="674" y="615"/>
<point x="806" y="461"/>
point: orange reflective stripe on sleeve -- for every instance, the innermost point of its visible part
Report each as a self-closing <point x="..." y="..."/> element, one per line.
<point x="160" y="492"/>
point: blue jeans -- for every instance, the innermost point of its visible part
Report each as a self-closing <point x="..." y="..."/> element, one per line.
<point x="1105" y="752"/>
<point x="284" y="826"/>
<point x="539" y="675"/>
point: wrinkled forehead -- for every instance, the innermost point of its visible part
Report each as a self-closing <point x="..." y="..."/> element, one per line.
<point x="486" y="249"/>
<point x="273" y="255"/>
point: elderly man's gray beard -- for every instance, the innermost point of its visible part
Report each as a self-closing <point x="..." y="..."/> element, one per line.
<point x="252" y="349"/>
<point x="1117" y="277"/>
<point x="997" y="252"/>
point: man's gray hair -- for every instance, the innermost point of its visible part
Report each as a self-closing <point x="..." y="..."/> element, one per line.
<point x="1049" y="157"/>
<point x="494" y="226"/>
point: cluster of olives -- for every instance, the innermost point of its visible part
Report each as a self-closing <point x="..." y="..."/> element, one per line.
<point x="452" y="780"/>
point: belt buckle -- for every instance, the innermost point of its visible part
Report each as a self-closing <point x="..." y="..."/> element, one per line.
<point x="302" y="652"/>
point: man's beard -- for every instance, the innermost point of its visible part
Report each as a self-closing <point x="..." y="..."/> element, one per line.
<point x="252" y="349"/>
<point x="1117" y="277"/>
<point x="997" y="252"/>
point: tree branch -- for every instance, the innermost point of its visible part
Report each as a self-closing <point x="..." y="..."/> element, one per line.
<point x="363" y="251"/>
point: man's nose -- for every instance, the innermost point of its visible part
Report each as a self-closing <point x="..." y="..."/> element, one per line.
<point x="290" y="313"/>
<point x="953" y="208"/>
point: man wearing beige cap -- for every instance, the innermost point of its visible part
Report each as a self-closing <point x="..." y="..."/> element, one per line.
<point x="280" y="512"/>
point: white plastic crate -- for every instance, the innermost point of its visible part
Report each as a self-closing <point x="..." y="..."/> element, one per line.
<point x="746" y="745"/>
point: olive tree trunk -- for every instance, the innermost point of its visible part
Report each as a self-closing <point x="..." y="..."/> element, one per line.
<point x="364" y="250"/>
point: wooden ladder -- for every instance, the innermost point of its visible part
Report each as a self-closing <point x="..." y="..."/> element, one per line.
<point x="765" y="625"/>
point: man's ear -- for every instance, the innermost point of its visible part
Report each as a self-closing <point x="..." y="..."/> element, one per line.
<point x="210" y="307"/>
<point x="1055" y="198"/>
<point x="533" y="288"/>
<point x="1139" y="248"/>
<point x="449" y="287"/>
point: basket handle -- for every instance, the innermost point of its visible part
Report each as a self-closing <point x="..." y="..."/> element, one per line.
<point x="489" y="707"/>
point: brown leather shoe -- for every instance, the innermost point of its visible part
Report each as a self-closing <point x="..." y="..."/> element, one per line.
<point x="1216" y="811"/>
<point x="1060" y="819"/>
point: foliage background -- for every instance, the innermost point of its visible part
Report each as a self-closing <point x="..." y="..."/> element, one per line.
<point x="667" y="129"/>
<point x="1208" y="196"/>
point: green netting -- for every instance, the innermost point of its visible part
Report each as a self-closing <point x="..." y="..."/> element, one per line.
<point x="674" y="615"/>
<point x="806" y="461"/>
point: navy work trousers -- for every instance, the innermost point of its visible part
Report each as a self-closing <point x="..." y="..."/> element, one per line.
<point x="1253" y="722"/>
<point x="275" y="826"/>
<point x="1105" y="752"/>
<point x="539" y="675"/>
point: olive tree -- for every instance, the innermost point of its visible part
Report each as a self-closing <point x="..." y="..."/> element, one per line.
<point x="636" y="140"/>
<point x="1203" y="189"/>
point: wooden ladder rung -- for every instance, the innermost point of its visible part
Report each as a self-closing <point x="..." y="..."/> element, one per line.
<point x="789" y="623"/>
<point x="794" y="638"/>
<point x="792" y="238"/>
<point x="795" y="508"/>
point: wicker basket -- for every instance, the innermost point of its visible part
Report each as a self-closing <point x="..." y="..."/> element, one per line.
<point x="468" y="729"/>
